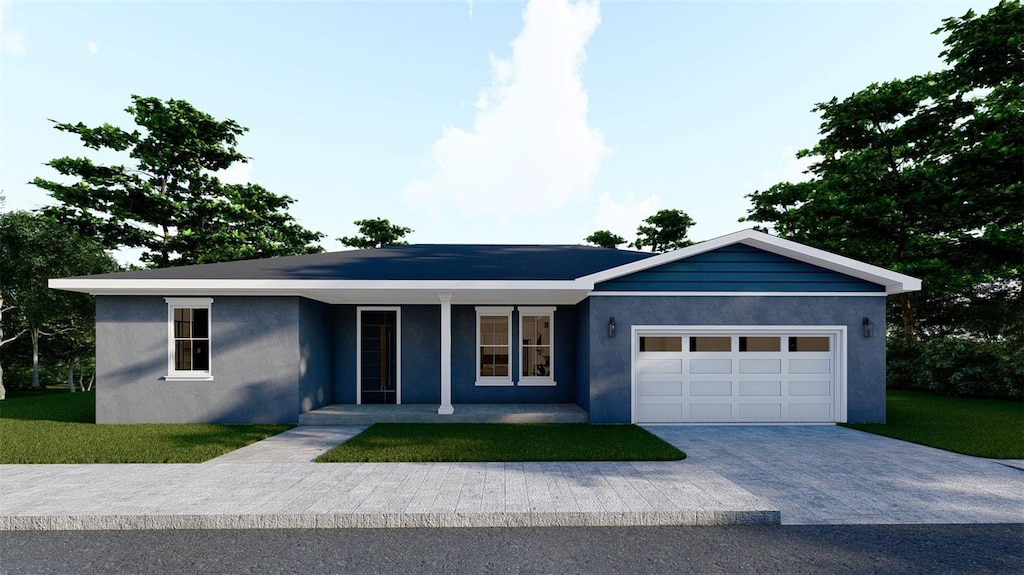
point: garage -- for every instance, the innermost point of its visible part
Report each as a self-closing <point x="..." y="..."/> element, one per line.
<point x="732" y="374"/>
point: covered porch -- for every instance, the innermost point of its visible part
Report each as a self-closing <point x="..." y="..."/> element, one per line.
<point x="350" y="414"/>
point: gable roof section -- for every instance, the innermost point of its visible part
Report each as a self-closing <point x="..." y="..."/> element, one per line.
<point x="892" y="282"/>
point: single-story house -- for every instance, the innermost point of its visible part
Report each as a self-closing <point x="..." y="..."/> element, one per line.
<point x="747" y="327"/>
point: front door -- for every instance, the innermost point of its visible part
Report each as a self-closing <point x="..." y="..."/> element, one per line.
<point x="378" y="356"/>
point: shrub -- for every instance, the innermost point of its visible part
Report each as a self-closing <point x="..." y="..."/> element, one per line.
<point x="958" y="366"/>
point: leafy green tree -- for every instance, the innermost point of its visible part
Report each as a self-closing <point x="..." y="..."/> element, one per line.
<point x="166" y="199"/>
<point x="605" y="239"/>
<point x="32" y="250"/>
<point x="664" y="231"/>
<point x="376" y="233"/>
<point x="923" y="176"/>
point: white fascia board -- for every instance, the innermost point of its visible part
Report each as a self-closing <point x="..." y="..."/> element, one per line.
<point x="894" y="282"/>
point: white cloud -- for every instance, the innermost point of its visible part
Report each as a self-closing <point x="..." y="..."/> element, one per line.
<point x="12" y="41"/>
<point x="788" y="169"/>
<point x="237" y="173"/>
<point x="621" y="217"/>
<point x="92" y="47"/>
<point x="470" y="2"/>
<point x="531" y="149"/>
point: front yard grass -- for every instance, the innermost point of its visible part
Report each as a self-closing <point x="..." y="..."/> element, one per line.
<point x="390" y="442"/>
<point x="47" y="427"/>
<point x="980" y="427"/>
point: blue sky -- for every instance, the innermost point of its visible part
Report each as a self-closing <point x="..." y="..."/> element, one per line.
<point x="470" y="122"/>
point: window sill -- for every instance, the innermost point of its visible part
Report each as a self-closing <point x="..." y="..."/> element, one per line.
<point x="494" y="383"/>
<point x="189" y="377"/>
<point x="537" y="383"/>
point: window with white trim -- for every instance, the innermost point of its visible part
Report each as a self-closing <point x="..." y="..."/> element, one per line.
<point x="494" y="346"/>
<point x="536" y="346"/>
<point x="188" y="334"/>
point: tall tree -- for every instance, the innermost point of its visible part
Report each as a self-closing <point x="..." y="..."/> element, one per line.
<point x="605" y="239"/>
<point x="923" y="176"/>
<point x="167" y="199"/>
<point x="376" y="233"/>
<point x="32" y="250"/>
<point x="664" y="231"/>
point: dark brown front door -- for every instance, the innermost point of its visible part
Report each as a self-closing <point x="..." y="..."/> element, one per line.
<point x="379" y="357"/>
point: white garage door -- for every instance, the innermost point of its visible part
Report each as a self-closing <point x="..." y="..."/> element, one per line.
<point x="735" y="376"/>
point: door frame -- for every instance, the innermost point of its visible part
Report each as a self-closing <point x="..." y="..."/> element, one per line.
<point x="837" y="332"/>
<point x="359" y="350"/>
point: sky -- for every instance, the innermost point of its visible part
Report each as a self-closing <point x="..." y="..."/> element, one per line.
<point x="479" y="121"/>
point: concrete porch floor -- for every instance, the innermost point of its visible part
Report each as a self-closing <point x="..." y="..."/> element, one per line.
<point x="347" y="414"/>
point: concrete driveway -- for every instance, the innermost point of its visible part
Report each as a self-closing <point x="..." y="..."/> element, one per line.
<point x="835" y="475"/>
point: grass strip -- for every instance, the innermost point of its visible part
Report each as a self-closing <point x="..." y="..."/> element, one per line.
<point x="980" y="427"/>
<point x="393" y="442"/>
<point x="56" y="428"/>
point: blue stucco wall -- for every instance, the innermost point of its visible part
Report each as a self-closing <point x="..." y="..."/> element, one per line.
<point x="343" y="344"/>
<point x="610" y="358"/>
<point x="421" y="354"/>
<point x="583" y="354"/>
<point x="254" y="359"/>
<point x="738" y="268"/>
<point x="315" y="388"/>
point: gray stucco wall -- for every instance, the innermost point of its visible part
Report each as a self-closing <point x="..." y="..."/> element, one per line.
<point x="315" y="388"/>
<point x="254" y="358"/>
<point x="610" y="358"/>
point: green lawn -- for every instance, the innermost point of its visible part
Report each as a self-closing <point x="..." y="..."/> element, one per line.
<point x="384" y="442"/>
<point x="981" y="427"/>
<point x="48" y="427"/>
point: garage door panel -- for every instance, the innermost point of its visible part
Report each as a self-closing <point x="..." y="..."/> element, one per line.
<point x="661" y="388"/>
<point x="702" y="366"/>
<point x="759" y="366"/>
<point x="711" y="388"/>
<point x="810" y="388"/>
<point x="810" y="411"/>
<point x="659" y="412"/>
<point x="770" y="388"/>
<point x="660" y="366"/>
<point x="710" y="412"/>
<point x="810" y="366"/>
<point x="760" y="411"/>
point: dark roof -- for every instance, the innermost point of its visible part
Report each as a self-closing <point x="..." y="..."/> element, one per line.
<point x="415" y="262"/>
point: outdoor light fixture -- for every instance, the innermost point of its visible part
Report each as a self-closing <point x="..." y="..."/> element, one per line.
<point x="611" y="326"/>
<point x="866" y="324"/>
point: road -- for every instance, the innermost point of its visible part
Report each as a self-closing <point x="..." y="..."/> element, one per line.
<point x="888" y="549"/>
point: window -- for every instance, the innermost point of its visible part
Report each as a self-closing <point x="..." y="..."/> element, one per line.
<point x="660" y="343"/>
<point x="808" y="343"/>
<point x="188" y="354"/>
<point x="710" y="343"/>
<point x="494" y="346"/>
<point x="537" y="346"/>
<point x="759" y="343"/>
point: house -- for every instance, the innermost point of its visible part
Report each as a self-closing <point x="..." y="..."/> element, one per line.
<point x="743" y="328"/>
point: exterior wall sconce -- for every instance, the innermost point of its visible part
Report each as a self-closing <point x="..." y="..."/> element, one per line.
<point x="866" y="325"/>
<point x="611" y="326"/>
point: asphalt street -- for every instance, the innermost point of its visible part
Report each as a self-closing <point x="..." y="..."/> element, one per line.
<point x="805" y="549"/>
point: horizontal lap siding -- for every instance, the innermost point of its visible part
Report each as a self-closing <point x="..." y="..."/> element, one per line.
<point x="739" y="268"/>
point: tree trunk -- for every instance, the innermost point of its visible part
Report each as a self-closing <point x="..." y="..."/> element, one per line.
<point x="908" y="319"/>
<point x="71" y="375"/>
<point x="34" y="332"/>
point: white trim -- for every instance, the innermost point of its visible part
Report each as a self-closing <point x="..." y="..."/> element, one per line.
<point x="738" y="293"/>
<point x="493" y="381"/>
<point x="359" y="350"/>
<point x="539" y="311"/>
<point x="894" y="282"/>
<point x="839" y="353"/>
<point x="174" y="303"/>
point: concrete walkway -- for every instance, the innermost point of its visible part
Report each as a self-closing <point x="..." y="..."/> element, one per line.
<point x="835" y="475"/>
<point x="733" y="475"/>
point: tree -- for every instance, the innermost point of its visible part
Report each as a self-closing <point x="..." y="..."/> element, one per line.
<point x="32" y="250"/>
<point x="923" y="176"/>
<point x="169" y="202"/>
<point x="376" y="233"/>
<point x="665" y="231"/>
<point x="605" y="239"/>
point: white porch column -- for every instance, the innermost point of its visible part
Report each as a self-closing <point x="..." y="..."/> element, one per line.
<point x="446" y="355"/>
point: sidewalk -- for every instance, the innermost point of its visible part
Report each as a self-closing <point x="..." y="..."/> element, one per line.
<point x="274" y="484"/>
